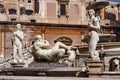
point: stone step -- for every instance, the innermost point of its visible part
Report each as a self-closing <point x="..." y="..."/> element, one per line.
<point x="46" y="71"/>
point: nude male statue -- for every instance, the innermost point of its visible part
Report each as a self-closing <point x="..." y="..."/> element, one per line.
<point x="18" y="37"/>
<point x="94" y="29"/>
<point x="43" y="52"/>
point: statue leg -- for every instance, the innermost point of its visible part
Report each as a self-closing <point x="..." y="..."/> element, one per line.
<point x="94" y="38"/>
<point x="14" y="54"/>
<point x="60" y="45"/>
<point x="20" y="54"/>
<point x="61" y="52"/>
<point x="72" y="55"/>
<point x="93" y="53"/>
<point x="92" y="45"/>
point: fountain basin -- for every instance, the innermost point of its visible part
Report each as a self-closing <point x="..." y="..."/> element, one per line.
<point x="102" y="37"/>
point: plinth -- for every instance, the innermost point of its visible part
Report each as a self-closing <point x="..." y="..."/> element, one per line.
<point x="95" y="68"/>
<point x="17" y="64"/>
<point x="43" y="69"/>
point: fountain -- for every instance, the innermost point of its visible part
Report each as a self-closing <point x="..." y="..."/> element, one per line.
<point x="103" y="38"/>
<point x="108" y="49"/>
<point x="53" y="68"/>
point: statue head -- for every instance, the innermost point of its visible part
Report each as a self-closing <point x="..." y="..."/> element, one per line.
<point x="116" y="61"/>
<point x="91" y="12"/>
<point x="37" y="37"/>
<point x="18" y="26"/>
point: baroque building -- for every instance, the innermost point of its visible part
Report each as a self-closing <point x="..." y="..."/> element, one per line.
<point x="55" y="20"/>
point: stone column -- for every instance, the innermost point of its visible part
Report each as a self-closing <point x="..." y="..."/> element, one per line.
<point x="43" y="34"/>
<point x="2" y="42"/>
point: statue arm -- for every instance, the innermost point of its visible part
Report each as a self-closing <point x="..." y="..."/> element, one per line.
<point x="22" y="36"/>
<point x="36" y="46"/>
<point x="45" y="44"/>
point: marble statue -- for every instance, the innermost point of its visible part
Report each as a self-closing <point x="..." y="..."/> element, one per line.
<point x="18" y="37"/>
<point x="42" y="51"/>
<point x="114" y="64"/>
<point x="117" y="64"/>
<point x="94" y="29"/>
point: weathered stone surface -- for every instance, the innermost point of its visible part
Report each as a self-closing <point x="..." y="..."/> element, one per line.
<point x="46" y="64"/>
<point x="95" y="66"/>
<point x="51" y="78"/>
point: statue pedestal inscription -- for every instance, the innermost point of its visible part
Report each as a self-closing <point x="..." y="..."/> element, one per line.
<point x="95" y="68"/>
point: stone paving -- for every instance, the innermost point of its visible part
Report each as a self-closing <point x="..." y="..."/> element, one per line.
<point x="51" y="78"/>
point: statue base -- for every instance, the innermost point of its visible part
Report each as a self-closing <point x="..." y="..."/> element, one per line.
<point x="95" y="68"/>
<point x="46" y="64"/>
<point x="44" y="69"/>
<point x="17" y="64"/>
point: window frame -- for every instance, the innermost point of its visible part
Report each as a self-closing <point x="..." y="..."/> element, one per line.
<point x="12" y="10"/>
<point x="66" y="3"/>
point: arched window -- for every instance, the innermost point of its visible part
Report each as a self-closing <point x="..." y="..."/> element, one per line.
<point x="111" y="16"/>
<point x="113" y="63"/>
<point x="1" y="8"/>
<point x="22" y="10"/>
<point x="29" y="12"/>
<point x="67" y="41"/>
<point x="29" y="1"/>
<point x="12" y="11"/>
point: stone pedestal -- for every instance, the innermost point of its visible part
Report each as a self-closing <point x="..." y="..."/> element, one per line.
<point x="77" y="61"/>
<point x="95" y="68"/>
<point x="17" y="64"/>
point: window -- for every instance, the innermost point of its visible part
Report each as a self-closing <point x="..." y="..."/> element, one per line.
<point x="29" y="12"/>
<point x="62" y="9"/>
<point x="36" y="6"/>
<point x="13" y="19"/>
<point x="111" y="16"/>
<point x="1" y="8"/>
<point x="12" y="11"/>
<point x="29" y="1"/>
<point x="66" y="40"/>
<point x="22" y="10"/>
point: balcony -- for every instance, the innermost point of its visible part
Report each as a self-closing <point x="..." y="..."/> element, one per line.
<point x="3" y="17"/>
<point x="13" y="17"/>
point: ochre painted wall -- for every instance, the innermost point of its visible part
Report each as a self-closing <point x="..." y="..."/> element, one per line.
<point x="48" y="33"/>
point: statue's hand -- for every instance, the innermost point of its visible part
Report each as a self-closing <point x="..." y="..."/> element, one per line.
<point x="30" y="50"/>
<point x="69" y="48"/>
<point x="72" y="48"/>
